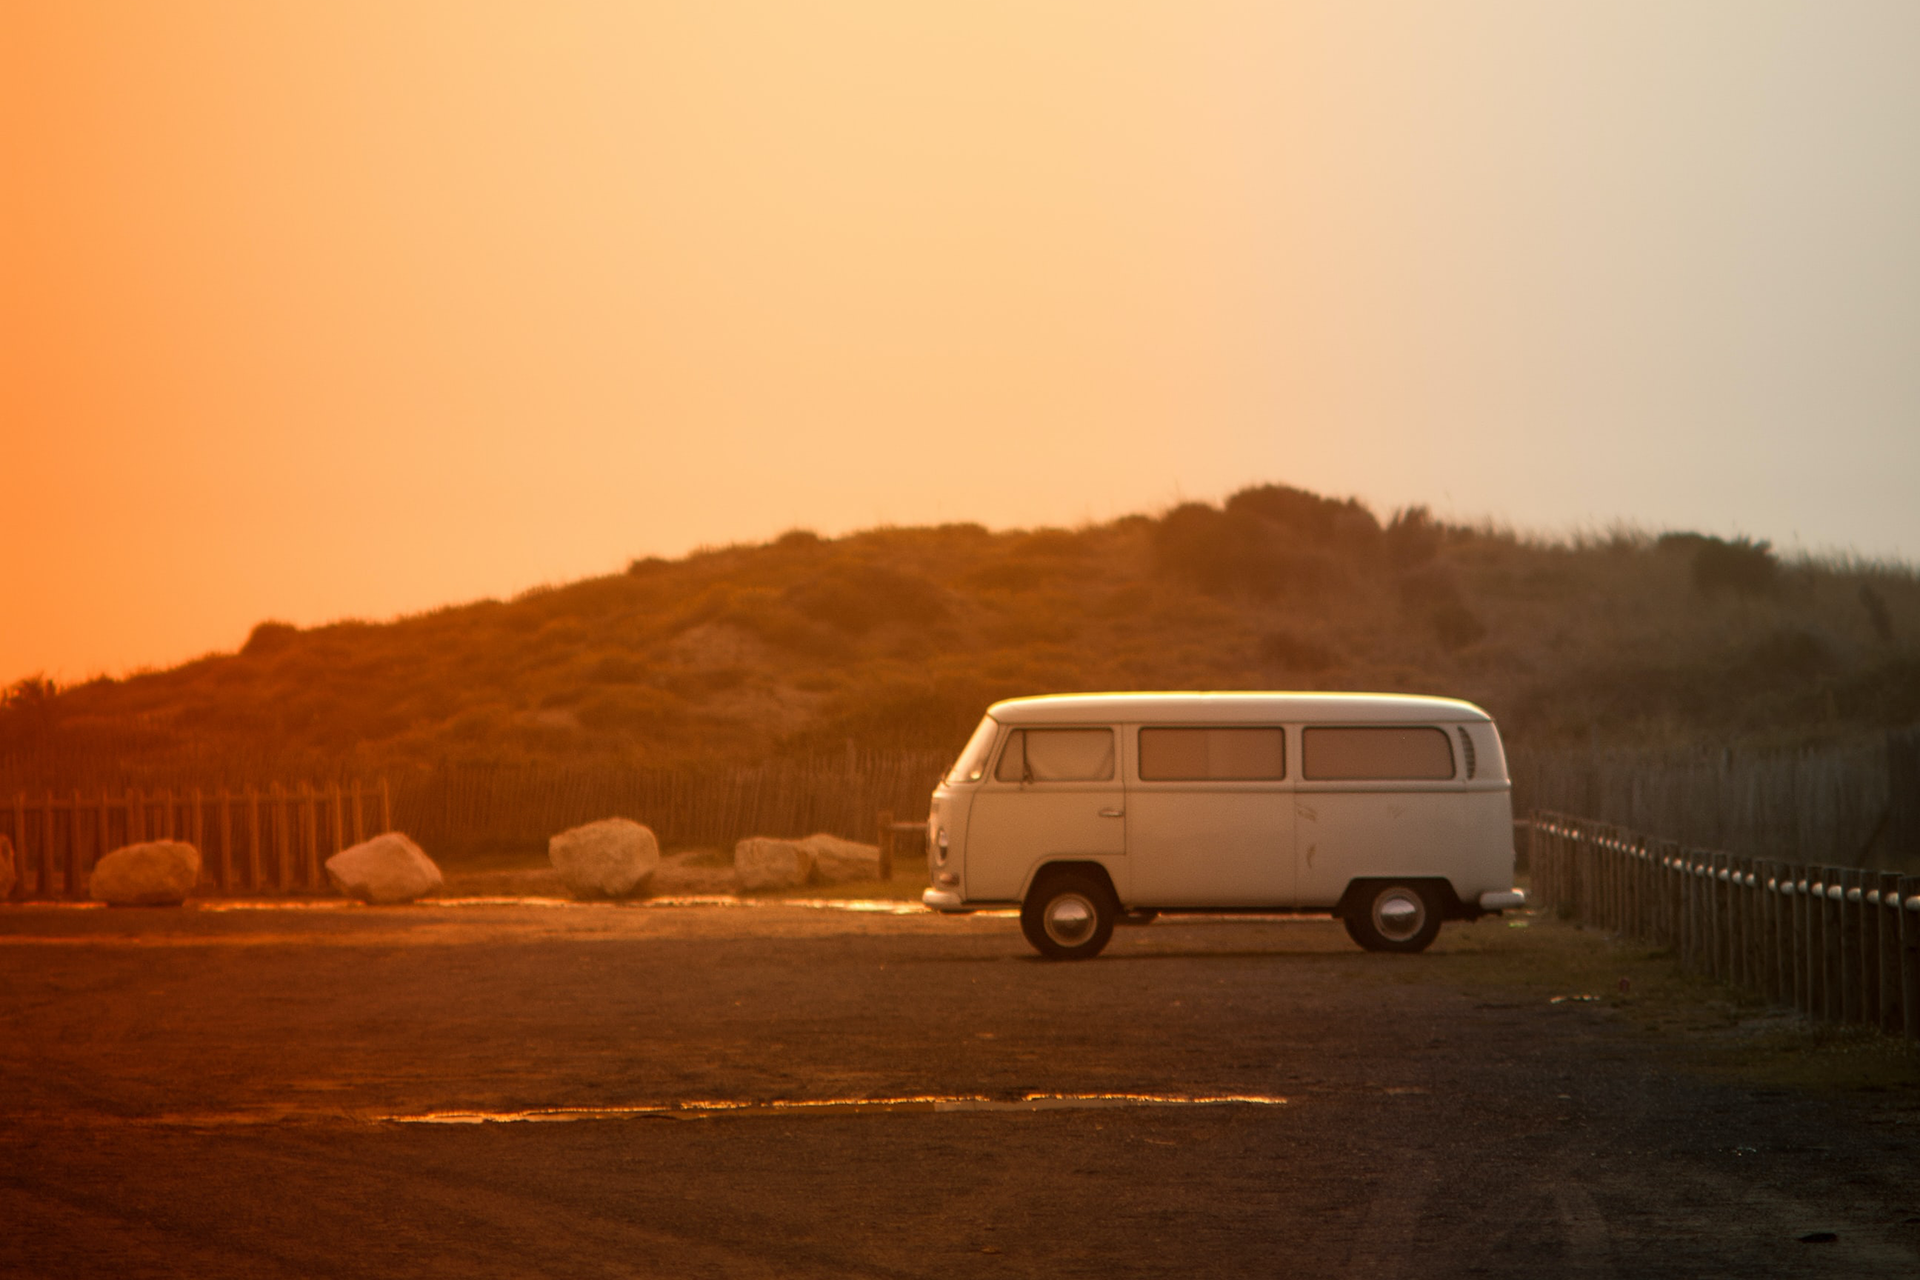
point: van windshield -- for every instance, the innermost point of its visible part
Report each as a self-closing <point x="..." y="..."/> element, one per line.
<point x="972" y="763"/>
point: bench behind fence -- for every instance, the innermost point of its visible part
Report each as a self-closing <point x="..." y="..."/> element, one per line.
<point x="1840" y="944"/>
<point x="251" y="840"/>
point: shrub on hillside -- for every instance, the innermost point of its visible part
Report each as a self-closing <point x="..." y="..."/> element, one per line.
<point x="1789" y="656"/>
<point x="1435" y="594"/>
<point x="858" y="597"/>
<point x="1742" y="566"/>
<point x="28" y="708"/>
<point x="1330" y="522"/>
<point x="1877" y="613"/>
<point x="1238" y="552"/>
<point x="631" y="709"/>
<point x="1413" y="537"/>
<point x="269" y="638"/>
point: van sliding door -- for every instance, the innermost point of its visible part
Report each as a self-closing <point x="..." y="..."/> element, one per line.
<point x="1210" y="817"/>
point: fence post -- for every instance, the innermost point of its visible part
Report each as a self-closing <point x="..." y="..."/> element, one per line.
<point x="255" y="863"/>
<point x="1869" y="948"/>
<point x="1845" y="998"/>
<point x="339" y="830"/>
<point x="17" y="846"/>
<point x="1852" y="1002"/>
<point x="1770" y="938"/>
<point x="225" y="869"/>
<point x="1832" y="920"/>
<point x="77" y="865"/>
<point x="386" y="807"/>
<point x="1910" y="956"/>
<point x="1536" y="883"/>
<point x="1812" y="894"/>
<point x="1889" y="959"/>
<point x="886" y="844"/>
<point x="309" y="836"/>
<point x="1783" y="898"/>
<point x="1743" y="969"/>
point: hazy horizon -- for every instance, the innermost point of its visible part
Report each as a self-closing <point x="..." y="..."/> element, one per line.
<point x="359" y="311"/>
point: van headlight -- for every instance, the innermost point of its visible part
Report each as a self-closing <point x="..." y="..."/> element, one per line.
<point x="940" y="846"/>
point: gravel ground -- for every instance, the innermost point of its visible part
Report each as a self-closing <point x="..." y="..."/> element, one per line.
<point x="237" y="1093"/>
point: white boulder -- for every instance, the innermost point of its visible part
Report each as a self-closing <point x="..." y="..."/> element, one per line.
<point x="761" y="862"/>
<point x="607" y="859"/>
<point x="836" y="861"/>
<point x="387" y="868"/>
<point x="157" y="873"/>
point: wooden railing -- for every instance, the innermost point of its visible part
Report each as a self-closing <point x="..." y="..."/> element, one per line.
<point x="1840" y="944"/>
<point x="250" y="841"/>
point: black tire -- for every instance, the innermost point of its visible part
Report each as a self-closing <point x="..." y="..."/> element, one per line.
<point x="1068" y="915"/>
<point x="1393" y="915"/>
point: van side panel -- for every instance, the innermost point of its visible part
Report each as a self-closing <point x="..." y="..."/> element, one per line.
<point x="1210" y="845"/>
<point x="1401" y="833"/>
<point x="1012" y="830"/>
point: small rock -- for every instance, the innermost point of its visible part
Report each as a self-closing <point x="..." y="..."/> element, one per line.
<point x="6" y="867"/>
<point x="761" y="862"/>
<point x="836" y="861"/>
<point x="611" y="858"/>
<point x="387" y="868"/>
<point x="158" y="873"/>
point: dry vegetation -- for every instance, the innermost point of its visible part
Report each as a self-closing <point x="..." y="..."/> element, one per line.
<point x="897" y="638"/>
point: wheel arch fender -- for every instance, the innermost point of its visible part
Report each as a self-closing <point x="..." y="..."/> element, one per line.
<point x="1085" y="866"/>
<point x="1451" y="908"/>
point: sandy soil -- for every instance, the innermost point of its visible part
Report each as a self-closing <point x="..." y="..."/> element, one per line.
<point x="235" y="1093"/>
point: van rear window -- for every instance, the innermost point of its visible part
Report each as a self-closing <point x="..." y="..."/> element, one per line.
<point x="1351" y="754"/>
<point x="1057" y="755"/>
<point x="1213" y="755"/>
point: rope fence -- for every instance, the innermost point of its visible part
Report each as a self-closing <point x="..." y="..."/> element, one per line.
<point x="1839" y="944"/>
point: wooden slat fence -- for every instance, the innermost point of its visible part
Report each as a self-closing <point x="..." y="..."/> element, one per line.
<point x="1840" y="944"/>
<point x="458" y="804"/>
<point x="251" y="840"/>
<point x="1836" y="800"/>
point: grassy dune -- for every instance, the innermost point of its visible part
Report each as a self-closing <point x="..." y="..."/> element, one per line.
<point x="897" y="638"/>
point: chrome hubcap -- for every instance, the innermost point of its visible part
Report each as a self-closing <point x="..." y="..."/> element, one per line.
<point x="1399" y="914"/>
<point x="1070" y="919"/>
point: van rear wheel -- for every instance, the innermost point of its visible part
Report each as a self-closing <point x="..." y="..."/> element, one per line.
<point x="1401" y="916"/>
<point x="1068" y="916"/>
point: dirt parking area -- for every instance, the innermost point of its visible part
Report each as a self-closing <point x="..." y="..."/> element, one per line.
<point x="522" y="1090"/>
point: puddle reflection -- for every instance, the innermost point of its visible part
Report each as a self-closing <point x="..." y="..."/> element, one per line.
<point x="705" y="1109"/>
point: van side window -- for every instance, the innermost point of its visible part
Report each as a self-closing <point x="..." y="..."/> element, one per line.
<point x="1213" y="755"/>
<point x="1375" y="754"/>
<point x="1057" y="755"/>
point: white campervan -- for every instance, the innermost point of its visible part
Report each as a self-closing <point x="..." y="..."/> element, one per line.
<point x="1393" y="813"/>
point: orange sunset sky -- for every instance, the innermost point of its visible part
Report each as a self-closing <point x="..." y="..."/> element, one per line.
<point x="349" y="309"/>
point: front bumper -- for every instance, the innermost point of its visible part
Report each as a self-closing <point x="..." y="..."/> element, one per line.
<point x="943" y="900"/>
<point x="1502" y="899"/>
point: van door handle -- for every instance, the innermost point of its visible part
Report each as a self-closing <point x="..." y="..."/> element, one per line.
<point x="1112" y="813"/>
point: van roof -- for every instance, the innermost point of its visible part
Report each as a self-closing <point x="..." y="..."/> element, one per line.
<point x="1210" y="708"/>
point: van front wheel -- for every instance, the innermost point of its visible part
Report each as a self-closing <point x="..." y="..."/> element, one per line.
<point x="1068" y="916"/>
<point x="1393" y="917"/>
